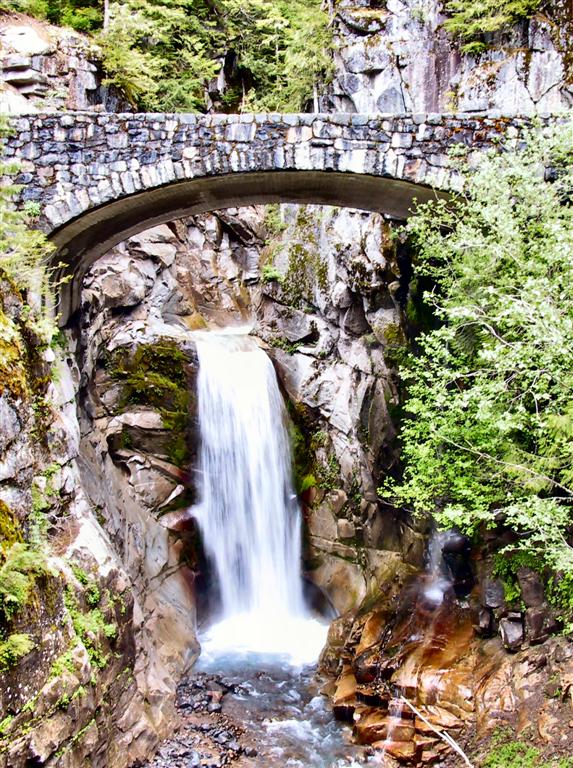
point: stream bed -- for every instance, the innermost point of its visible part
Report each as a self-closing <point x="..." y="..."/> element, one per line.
<point x="257" y="711"/>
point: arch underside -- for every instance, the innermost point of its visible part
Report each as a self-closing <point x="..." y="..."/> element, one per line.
<point x="90" y="235"/>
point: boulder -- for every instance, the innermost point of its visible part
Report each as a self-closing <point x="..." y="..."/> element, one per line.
<point x="531" y="585"/>
<point x="512" y="633"/>
<point x="345" y="529"/>
<point x="492" y="593"/>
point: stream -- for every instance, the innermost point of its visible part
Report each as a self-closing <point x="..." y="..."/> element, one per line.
<point x="257" y="711"/>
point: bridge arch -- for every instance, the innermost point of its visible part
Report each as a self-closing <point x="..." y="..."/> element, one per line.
<point x="100" y="178"/>
<point x="83" y="240"/>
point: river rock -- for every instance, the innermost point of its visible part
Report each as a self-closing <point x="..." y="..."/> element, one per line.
<point x="512" y="633"/>
<point x="493" y="595"/>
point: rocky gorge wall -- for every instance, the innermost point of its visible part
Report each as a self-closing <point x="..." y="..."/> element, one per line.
<point x="72" y="698"/>
<point x="50" y="69"/>
<point x="397" y="57"/>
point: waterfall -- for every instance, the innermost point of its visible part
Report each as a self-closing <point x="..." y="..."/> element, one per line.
<point x="248" y="514"/>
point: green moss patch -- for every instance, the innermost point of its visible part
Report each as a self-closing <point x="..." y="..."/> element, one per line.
<point x="10" y="528"/>
<point x="156" y="375"/>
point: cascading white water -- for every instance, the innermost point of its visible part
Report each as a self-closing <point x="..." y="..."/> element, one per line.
<point x="249" y="514"/>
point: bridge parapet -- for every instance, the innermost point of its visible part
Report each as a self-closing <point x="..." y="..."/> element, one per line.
<point x="74" y="161"/>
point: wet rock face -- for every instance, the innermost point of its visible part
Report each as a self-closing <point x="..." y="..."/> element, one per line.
<point x="423" y="653"/>
<point x="333" y="317"/>
<point x="80" y="614"/>
<point x="204" y="272"/>
<point x="138" y="421"/>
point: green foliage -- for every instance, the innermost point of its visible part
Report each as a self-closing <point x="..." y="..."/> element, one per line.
<point x="92" y="592"/>
<point x="13" y="648"/>
<point x="329" y="474"/>
<point x="270" y="273"/>
<point x="5" y="724"/>
<point x="274" y="223"/>
<point x="82" y="15"/>
<point x="308" y="481"/>
<point x="515" y="754"/>
<point x="19" y="567"/>
<point x="162" y="55"/>
<point x="153" y="375"/>
<point x="128" y="65"/>
<point x="507" y="752"/>
<point x="23" y="251"/>
<point x="10" y="528"/>
<point x="63" y="663"/>
<point x="37" y="8"/>
<point x="489" y="408"/>
<point x="506" y="566"/>
<point x="284" y="46"/>
<point x="287" y="346"/>
<point x="91" y="627"/>
<point x="470" y="20"/>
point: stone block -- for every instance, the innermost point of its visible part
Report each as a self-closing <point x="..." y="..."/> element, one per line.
<point x="402" y="140"/>
<point x="242" y="132"/>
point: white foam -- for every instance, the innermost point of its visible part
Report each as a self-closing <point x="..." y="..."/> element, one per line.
<point x="294" y="640"/>
<point x="301" y="729"/>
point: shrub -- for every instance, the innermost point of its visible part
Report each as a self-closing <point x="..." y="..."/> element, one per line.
<point x="470" y="20"/>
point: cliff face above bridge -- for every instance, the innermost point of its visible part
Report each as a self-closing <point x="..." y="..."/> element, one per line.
<point x="100" y="178"/>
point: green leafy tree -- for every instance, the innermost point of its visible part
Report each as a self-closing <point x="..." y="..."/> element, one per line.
<point x="163" y="54"/>
<point x="487" y="436"/>
<point x="82" y="15"/>
<point x="284" y="46"/>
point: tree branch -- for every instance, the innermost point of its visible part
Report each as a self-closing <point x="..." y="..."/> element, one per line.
<point x="442" y="734"/>
<point x="508" y="464"/>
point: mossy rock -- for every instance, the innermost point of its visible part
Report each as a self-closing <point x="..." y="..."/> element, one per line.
<point x="10" y="528"/>
<point x="13" y="376"/>
<point x="158" y="376"/>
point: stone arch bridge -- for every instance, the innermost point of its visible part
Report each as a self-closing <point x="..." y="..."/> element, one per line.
<point x="100" y="178"/>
